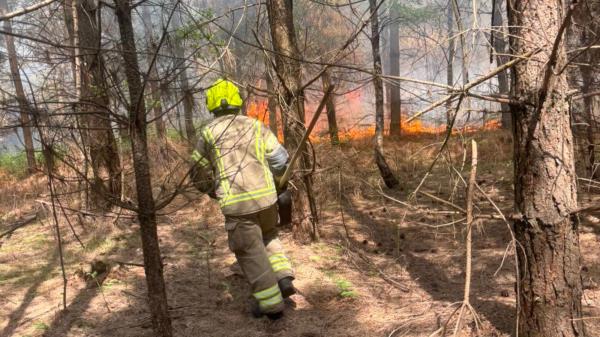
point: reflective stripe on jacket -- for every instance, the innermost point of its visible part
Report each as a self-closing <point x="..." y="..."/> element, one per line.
<point x="239" y="150"/>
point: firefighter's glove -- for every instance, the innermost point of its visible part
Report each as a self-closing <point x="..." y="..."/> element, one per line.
<point x="202" y="181"/>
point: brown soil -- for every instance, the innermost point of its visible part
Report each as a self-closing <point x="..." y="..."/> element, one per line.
<point x="397" y="274"/>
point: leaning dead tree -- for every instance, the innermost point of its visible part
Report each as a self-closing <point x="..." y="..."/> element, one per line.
<point x="549" y="283"/>
<point x="385" y="170"/>
<point x="332" y="126"/>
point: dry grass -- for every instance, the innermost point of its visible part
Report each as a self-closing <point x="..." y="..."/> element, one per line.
<point x="353" y="286"/>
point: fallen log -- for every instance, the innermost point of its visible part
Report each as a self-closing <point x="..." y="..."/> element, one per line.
<point x="21" y="223"/>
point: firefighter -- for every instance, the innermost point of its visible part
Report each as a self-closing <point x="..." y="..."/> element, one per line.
<point x="239" y="162"/>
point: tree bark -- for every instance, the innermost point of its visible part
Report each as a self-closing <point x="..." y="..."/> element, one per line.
<point x="549" y="281"/>
<point x="25" y="110"/>
<point x="95" y="107"/>
<point x="591" y="129"/>
<point x="450" y="61"/>
<point x="289" y="71"/>
<point x="386" y="173"/>
<point x="153" y="80"/>
<point x="157" y="295"/>
<point x="395" y="100"/>
<point x="330" y="106"/>
<point x="271" y="103"/>
<point x="184" y="84"/>
<point x="500" y="48"/>
<point x="585" y="34"/>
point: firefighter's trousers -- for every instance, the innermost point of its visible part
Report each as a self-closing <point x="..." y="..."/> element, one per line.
<point x="253" y="239"/>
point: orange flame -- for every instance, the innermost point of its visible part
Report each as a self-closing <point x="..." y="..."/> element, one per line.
<point x="259" y="110"/>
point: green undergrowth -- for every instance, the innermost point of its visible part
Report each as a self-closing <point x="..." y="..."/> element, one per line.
<point x="15" y="163"/>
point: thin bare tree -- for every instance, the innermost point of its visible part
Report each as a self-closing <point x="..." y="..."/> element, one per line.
<point x="25" y="111"/>
<point x="385" y="170"/>
<point x="146" y="208"/>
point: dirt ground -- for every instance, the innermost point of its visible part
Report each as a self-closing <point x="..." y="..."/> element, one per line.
<point x="381" y="268"/>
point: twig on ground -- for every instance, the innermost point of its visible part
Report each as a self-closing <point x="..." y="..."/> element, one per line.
<point x="383" y="275"/>
<point x="383" y="194"/>
<point x="445" y="202"/>
<point x="340" y="201"/>
<point x="209" y="245"/>
<point x="444" y="224"/>
<point x="132" y="264"/>
<point x="86" y="213"/>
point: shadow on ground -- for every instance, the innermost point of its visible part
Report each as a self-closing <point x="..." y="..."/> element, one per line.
<point x="436" y="263"/>
<point x="203" y="301"/>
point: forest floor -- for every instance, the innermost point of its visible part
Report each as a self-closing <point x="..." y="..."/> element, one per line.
<point x="398" y="272"/>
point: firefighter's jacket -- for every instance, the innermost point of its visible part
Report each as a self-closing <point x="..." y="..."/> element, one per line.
<point x="245" y="158"/>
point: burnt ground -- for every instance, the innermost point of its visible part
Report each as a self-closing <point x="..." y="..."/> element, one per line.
<point x="399" y="272"/>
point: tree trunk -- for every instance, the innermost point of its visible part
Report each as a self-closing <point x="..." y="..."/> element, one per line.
<point x="283" y="35"/>
<point x="500" y="48"/>
<point x="464" y="56"/>
<point x="585" y="34"/>
<point x="395" y="100"/>
<point x="386" y="173"/>
<point x="450" y="61"/>
<point x="153" y="80"/>
<point x="95" y="107"/>
<point x="330" y="106"/>
<point x="184" y="84"/>
<point x="25" y="110"/>
<point x="549" y="281"/>
<point x="83" y="185"/>
<point x="591" y="129"/>
<point x="157" y="294"/>
<point x="272" y="102"/>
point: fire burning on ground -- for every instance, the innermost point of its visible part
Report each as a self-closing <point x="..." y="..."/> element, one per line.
<point x="259" y="110"/>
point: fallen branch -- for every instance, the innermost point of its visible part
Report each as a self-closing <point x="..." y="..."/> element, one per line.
<point x="383" y="194"/>
<point x="90" y="214"/>
<point x="445" y="202"/>
<point x="132" y="264"/>
<point x="585" y="209"/>
<point x="21" y="223"/>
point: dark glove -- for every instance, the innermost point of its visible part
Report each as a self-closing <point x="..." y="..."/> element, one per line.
<point x="203" y="181"/>
<point x="213" y="194"/>
<point x="284" y="207"/>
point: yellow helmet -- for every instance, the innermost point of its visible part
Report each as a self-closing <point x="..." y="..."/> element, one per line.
<point x="223" y="96"/>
